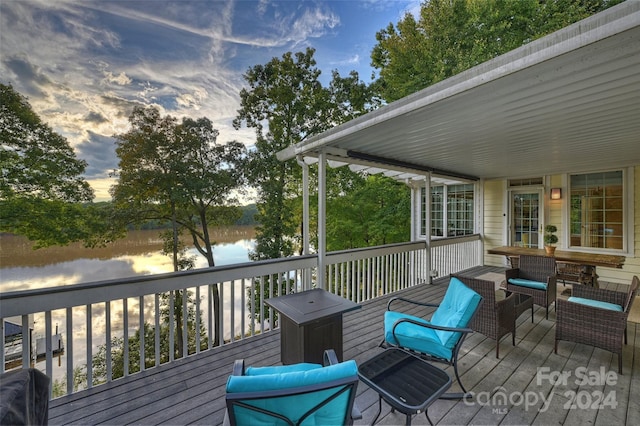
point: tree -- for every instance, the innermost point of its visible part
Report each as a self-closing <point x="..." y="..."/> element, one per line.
<point x="451" y="36"/>
<point x="178" y="173"/>
<point x="286" y="103"/>
<point x="377" y="212"/>
<point x="43" y="195"/>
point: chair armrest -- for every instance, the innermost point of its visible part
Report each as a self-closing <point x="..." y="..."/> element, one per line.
<point x="330" y="358"/>
<point x="238" y="367"/>
<point x="506" y="304"/>
<point x="600" y="294"/>
<point x="429" y="325"/>
<point x="511" y="273"/>
<point x="433" y="305"/>
<point x="605" y="321"/>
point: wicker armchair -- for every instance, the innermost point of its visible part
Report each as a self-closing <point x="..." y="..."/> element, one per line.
<point x="596" y="323"/>
<point x="535" y="277"/>
<point x="495" y="318"/>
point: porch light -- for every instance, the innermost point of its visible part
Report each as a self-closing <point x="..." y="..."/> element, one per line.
<point x="556" y="193"/>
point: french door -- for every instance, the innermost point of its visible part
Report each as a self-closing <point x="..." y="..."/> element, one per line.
<point x="525" y="225"/>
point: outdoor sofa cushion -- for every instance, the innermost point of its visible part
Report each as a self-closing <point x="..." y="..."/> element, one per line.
<point x="528" y="283"/>
<point x="596" y="303"/>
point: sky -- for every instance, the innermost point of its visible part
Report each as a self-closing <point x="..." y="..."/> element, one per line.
<point x="84" y="64"/>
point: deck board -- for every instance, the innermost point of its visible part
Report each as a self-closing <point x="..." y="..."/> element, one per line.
<point x="191" y="390"/>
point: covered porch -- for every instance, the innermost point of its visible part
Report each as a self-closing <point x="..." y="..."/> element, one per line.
<point x="518" y="388"/>
<point x="481" y="151"/>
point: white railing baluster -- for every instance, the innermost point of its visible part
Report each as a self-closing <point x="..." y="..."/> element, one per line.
<point x="156" y="312"/>
<point x="69" y="351"/>
<point x="89" y="319"/>
<point x="109" y="363"/>
<point x="172" y="327"/>
<point x="184" y="325"/>
<point x="141" y="332"/>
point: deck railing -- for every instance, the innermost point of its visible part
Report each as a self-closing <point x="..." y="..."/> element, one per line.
<point x="127" y="320"/>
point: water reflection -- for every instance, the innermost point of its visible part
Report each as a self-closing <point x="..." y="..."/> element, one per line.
<point x="22" y="268"/>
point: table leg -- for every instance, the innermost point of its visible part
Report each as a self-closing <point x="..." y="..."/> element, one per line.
<point x="379" y="411"/>
<point x="426" y="413"/>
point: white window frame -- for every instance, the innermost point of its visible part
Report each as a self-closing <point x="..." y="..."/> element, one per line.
<point x="628" y="225"/>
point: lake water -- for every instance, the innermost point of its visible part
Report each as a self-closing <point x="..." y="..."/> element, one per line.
<point x="22" y="268"/>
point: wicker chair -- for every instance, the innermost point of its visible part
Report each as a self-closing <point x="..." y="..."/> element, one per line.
<point x="535" y="277"/>
<point x="597" y="323"/>
<point x="495" y="318"/>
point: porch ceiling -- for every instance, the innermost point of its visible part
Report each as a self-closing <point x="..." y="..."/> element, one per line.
<point x="568" y="102"/>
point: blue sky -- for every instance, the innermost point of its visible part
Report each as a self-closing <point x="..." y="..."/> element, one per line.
<point x="84" y="65"/>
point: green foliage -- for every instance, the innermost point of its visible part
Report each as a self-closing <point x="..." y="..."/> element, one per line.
<point x="36" y="162"/>
<point x="285" y="103"/>
<point x="99" y="360"/>
<point x="452" y="36"/>
<point x="376" y="212"/>
<point x="549" y="234"/>
<point x="43" y="195"/>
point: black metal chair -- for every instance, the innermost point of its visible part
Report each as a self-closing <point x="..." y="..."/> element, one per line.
<point x="440" y="338"/>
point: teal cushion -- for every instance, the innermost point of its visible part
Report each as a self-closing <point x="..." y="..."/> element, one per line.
<point x="280" y="369"/>
<point x="421" y="339"/>
<point x="596" y="303"/>
<point x="455" y="310"/>
<point x="528" y="283"/>
<point x="294" y="406"/>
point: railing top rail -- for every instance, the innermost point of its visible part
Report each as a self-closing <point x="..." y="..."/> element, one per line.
<point x="454" y="240"/>
<point x="367" y="252"/>
<point x="52" y="298"/>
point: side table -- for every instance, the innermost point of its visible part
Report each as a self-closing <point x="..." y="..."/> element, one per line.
<point x="522" y="303"/>
<point x="406" y="382"/>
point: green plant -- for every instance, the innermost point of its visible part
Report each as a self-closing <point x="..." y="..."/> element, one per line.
<point x="549" y="234"/>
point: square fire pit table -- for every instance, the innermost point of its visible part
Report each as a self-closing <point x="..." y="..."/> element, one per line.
<point x="310" y="323"/>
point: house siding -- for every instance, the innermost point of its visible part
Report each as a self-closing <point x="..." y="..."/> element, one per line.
<point x="555" y="212"/>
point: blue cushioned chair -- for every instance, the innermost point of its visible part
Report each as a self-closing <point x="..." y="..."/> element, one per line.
<point x="440" y="338"/>
<point x="298" y="394"/>
<point x="535" y="276"/>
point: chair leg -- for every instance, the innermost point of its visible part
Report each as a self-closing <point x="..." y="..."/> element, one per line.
<point x="555" y="347"/>
<point x="455" y="369"/>
<point x="532" y="313"/>
<point x="620" y="363"/>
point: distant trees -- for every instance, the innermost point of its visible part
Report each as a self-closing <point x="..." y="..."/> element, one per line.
<point x="43" y="195"/>
<point x="451" y="36"/>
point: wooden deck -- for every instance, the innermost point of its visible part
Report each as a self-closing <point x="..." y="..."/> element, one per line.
<point x="191" y="391"/>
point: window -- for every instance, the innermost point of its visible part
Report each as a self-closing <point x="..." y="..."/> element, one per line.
<point x="597" y="210"/>
<point x="452" y="205"/>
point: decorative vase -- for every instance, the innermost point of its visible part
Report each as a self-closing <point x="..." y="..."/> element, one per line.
<point x="550" y="250"/>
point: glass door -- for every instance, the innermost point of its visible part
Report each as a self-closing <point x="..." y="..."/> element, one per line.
<point x="525" y="226"/>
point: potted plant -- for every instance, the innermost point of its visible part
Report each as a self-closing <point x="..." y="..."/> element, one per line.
<point x="550" y="238"/>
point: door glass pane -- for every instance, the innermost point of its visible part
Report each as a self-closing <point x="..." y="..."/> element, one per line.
<point x="525" y="212"/>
